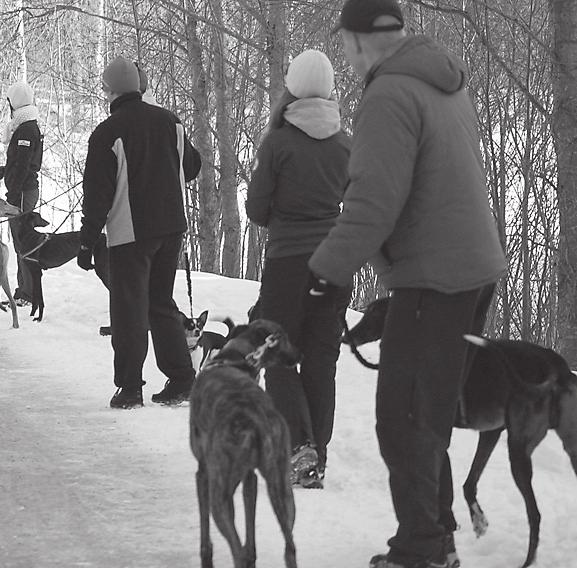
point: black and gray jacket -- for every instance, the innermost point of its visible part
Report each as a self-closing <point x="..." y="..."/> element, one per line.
<point x="23" y="160"/>
<point x="137" y="164"/>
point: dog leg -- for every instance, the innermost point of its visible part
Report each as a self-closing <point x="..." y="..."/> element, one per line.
<point x="204" y="509"/>
<point x="528" y="422"/>
<point x="6" y="285"/>
<point x="249" y="492"/>
<point x="282" y="501"/>
<point x="485" y="446"/>
<point x="222" y="506"/>
<point x="566" y="427"/>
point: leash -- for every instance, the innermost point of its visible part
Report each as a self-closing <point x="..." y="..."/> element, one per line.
<point x="188" y="282"/>
<point x="45" y="203"/>
<point x="354" y="349"/>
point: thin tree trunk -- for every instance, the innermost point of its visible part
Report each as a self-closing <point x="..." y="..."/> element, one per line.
<point x="227" y="156"/>
<point x="564" y="24"/>
<point x="209" y="201"/>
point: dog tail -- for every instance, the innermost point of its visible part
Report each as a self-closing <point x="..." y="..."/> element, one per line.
<point x="529" y="388"/>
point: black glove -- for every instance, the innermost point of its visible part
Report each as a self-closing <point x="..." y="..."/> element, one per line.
<point x="321" y="292"/>
<point x="84" y="258"/>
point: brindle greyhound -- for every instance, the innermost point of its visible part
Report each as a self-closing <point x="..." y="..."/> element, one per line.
<point x="7" y="210"/>
<point x="512" y="385"/>
<point x="234" y="430"/>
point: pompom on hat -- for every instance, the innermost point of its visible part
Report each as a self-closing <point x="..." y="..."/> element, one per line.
<point x="310" y="74"/>
<point x="19" y="95"/>
<point x="121" y="76"/>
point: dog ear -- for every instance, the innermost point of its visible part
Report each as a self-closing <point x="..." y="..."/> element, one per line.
<point x="237" y="330"/>
<point x="201" y="320"/>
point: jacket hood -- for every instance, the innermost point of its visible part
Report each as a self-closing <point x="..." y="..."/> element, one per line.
<point x="316" y="117"/>
<point x="424" y="59"/>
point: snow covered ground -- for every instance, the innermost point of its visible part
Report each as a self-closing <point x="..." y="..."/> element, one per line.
<point x="84" y="485"/>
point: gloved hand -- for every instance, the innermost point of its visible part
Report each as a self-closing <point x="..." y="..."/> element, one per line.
<point x="84" y="258"/>
<point x="321" y="292"/>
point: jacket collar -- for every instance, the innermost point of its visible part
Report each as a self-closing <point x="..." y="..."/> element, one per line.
<point x="125" y="98"/>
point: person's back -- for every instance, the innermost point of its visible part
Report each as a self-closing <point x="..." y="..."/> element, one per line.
<point x="137" y="164"/>
<point x="300" y="205"/>
<point x="295" y="191"/>
<point x="152" y="161"/>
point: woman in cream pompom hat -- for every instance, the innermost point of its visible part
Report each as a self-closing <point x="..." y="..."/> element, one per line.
<point x="296" y="189"/>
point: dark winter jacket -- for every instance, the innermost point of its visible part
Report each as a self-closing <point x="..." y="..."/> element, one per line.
<point x="137" y="163"/>
<point x="299" y="179"/>
<point x="23" y="160"/>
<point x="417" y="199"/>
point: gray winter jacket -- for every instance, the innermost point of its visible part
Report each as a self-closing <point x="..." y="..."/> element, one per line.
<point x="417" y="204"/>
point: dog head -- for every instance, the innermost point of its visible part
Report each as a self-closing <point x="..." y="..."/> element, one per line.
<point x="34" y="219"/>
<point x="264" y="343"/>
<point x="370" y="326"/>
<point x="193" y="328"/>
<point x="7" y="210"/>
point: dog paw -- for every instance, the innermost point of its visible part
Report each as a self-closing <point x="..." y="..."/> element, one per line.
<point x="480" y="523"/>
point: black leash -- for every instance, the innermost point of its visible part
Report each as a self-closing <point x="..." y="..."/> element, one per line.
<point x="188" y="282"/>
<point x="354" y="349"/>
<point x="47" y="236"/>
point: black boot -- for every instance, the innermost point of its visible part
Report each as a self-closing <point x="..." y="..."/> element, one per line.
<point x="174" y="392"/>
<point x="126" y="398"/>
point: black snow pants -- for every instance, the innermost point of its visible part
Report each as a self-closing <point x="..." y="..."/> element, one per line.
<point x="305" y="397"/>
<point x="423" y="363"/>
<point x="142" y="277"/>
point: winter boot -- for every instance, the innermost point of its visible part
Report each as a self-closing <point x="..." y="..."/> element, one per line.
<point x="173" y="393"/>
<point x="127" y="398"/>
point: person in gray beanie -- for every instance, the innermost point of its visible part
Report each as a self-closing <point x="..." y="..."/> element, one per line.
<point x="25" y="145"/>
<point x="417" y="208"/>
<point x="137" y="162"/>
<point x="295" y="191"/>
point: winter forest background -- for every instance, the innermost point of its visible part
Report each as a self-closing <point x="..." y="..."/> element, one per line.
<point x="219" y="64"/>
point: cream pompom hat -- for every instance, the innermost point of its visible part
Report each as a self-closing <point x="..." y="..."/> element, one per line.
<point x="310" y="74"/>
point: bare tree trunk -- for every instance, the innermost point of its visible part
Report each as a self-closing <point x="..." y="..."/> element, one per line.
<point x="564" y="24"/>
<point x="275" y="37"/>
<point x="227" y="155"/>
<point x="23" y="65"/>
<point x="209" y="200"/>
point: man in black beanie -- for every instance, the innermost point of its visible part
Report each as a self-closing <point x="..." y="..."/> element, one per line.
<point x="137" y="163"/>
<point x="417" y="208"/>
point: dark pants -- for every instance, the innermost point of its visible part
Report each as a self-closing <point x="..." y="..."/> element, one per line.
<point x="423" y="361"/>
<point x="305" y="397"/>
<point x="141" y="287"/>
<point x="26" y="200"/>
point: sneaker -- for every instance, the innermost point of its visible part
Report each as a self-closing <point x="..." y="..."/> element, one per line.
<point x="127" y="398"/>
<point x="173" y="393"/>
<point x="304" y="458"/>
<point x="313" y="478"/>
<point x="382" y="561"/>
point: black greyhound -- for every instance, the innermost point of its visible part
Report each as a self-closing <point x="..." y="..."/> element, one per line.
<point x="515" y="386"/>
<point x="42" y="251"/>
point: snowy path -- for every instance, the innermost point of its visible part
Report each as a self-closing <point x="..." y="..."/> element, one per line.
<point x="82" y="485"/>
